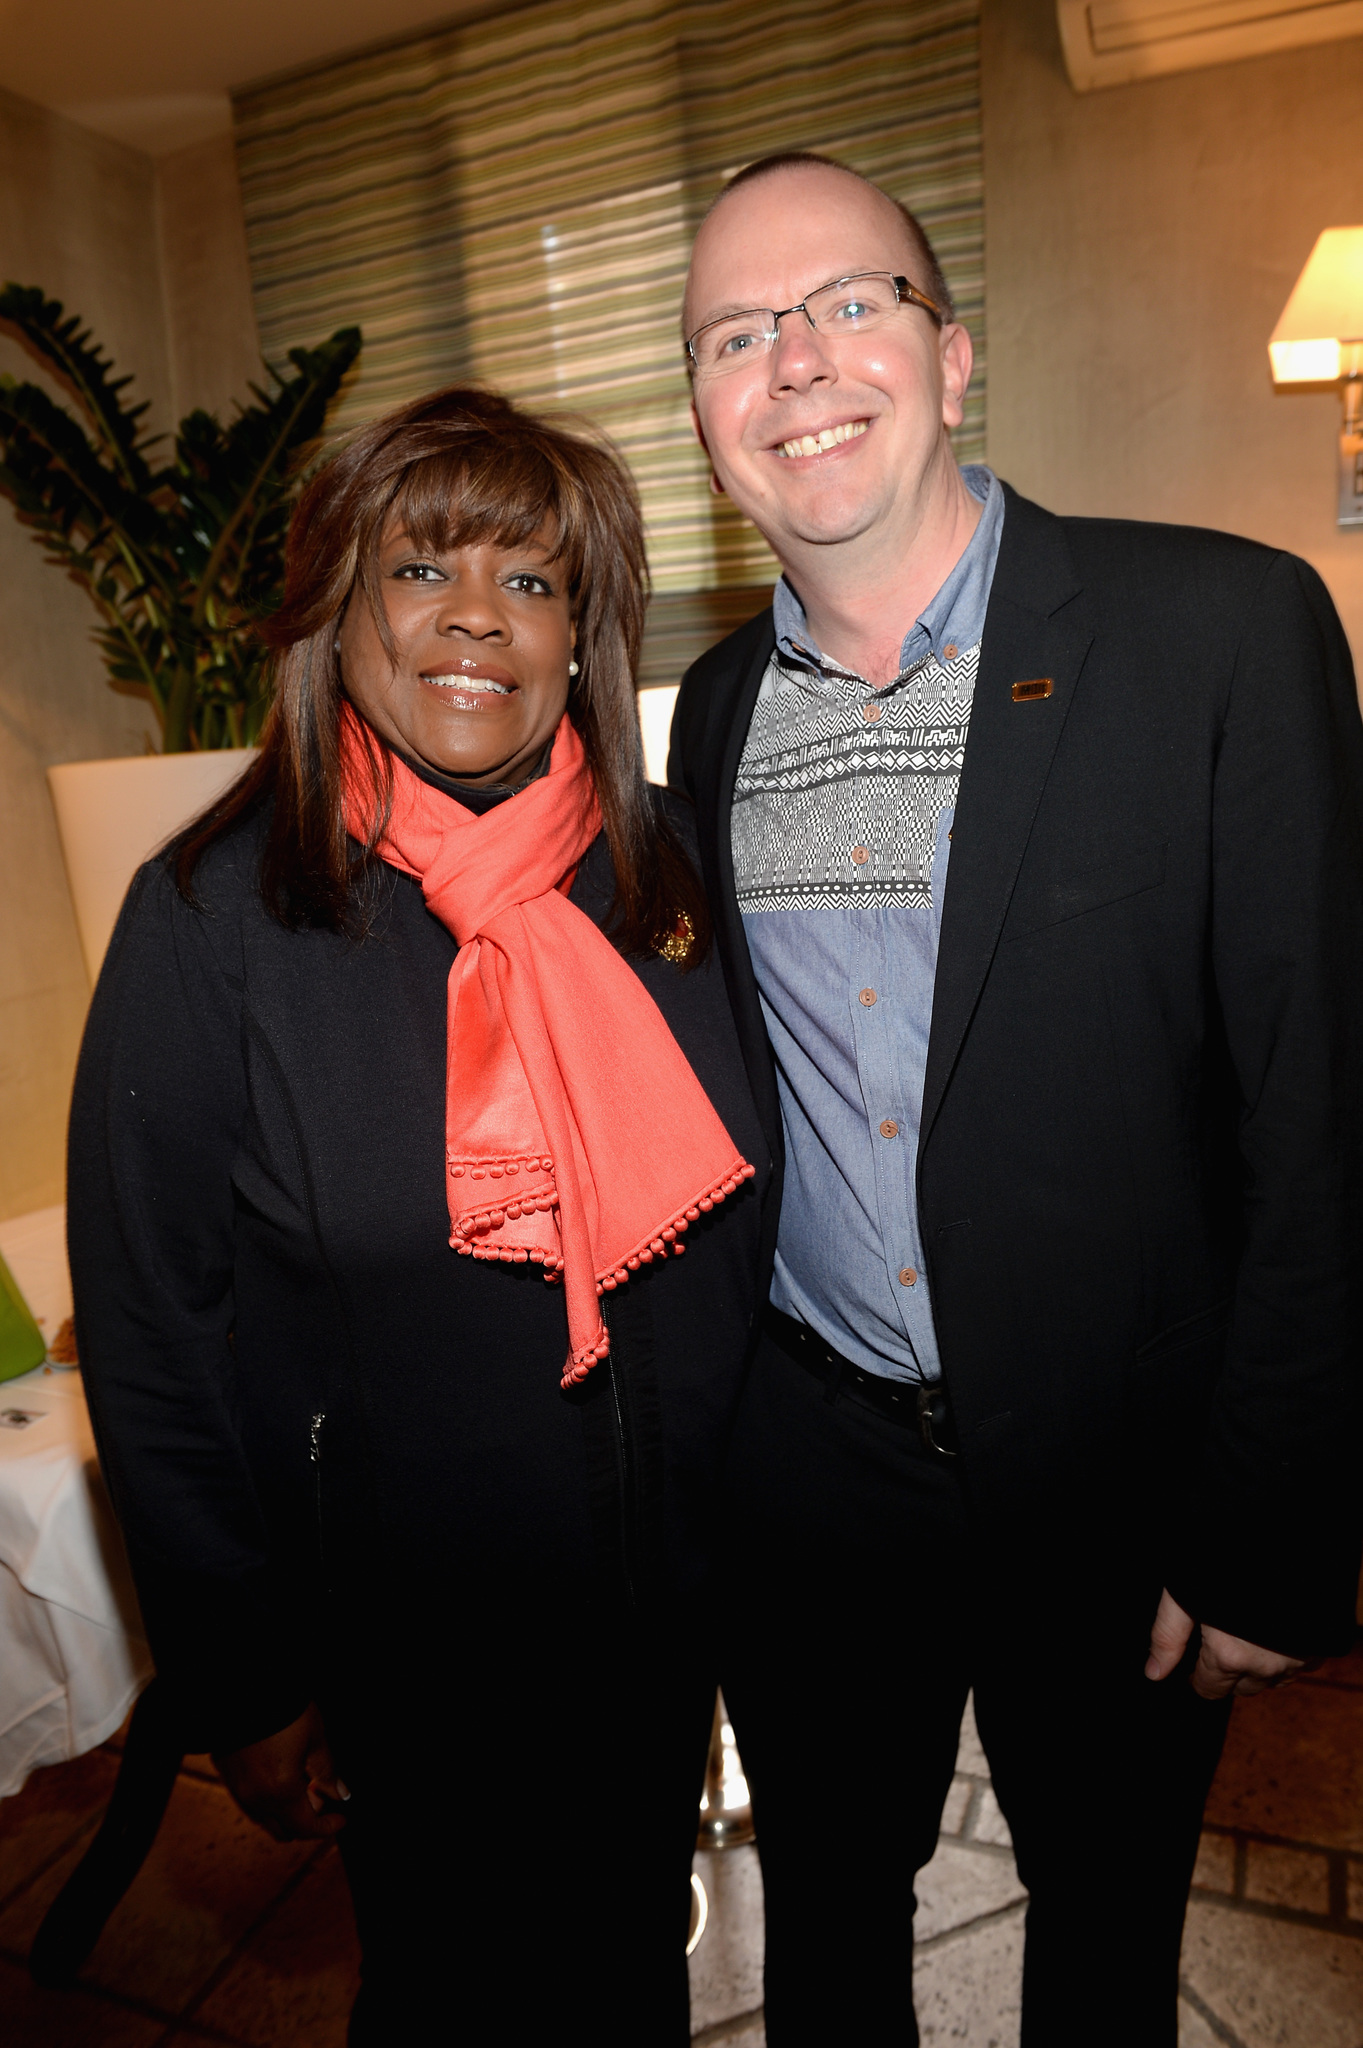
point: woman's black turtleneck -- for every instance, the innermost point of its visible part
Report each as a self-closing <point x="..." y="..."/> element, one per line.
<point x="478" y="800"/>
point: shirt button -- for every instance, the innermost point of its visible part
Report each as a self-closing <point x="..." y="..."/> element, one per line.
<point x="889" y="1129"/>
<point x="861" y="854"/>
<point x="950" y="650"/>
<point x="908" y="1276"/>
<point x="870" y="714"/>
<point x="866" y="998"/>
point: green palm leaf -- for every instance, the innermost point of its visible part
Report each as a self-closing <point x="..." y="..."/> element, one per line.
<point x="180" y="562"/>
<point x="65" y="346"/>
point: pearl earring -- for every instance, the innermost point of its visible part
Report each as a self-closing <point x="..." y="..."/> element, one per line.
<point x="572" y="668"/>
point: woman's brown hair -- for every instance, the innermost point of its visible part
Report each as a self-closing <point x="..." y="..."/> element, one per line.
<point x="459" y="468"/>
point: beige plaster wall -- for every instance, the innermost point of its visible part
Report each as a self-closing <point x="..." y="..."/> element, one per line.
<point x="77" y="216"/>
<point x="210" y="314"/>
<point x="1140" y="245"/>
<point x="153" y="256"/>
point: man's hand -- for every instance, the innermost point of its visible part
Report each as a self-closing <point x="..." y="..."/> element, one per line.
<point x="1224" y="1663"/>
<point x="288" y="1782"/>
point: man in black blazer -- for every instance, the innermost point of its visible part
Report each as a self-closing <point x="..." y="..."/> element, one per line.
<point x="1036" y="853"/>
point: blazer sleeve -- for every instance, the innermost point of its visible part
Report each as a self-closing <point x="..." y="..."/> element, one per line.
<point x="160" y="1099"/>
<point x="1271" y="1538"/>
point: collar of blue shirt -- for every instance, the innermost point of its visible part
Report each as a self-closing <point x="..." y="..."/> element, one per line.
<point x="955" y="616"/>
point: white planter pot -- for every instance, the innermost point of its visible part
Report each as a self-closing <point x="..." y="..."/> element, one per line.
<point x="113" y="815"/>
<point x="656" y="706"/>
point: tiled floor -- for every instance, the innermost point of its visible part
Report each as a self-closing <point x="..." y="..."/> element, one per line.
<point x="1273" y="1953"/>
<point x="227" y="1937"/>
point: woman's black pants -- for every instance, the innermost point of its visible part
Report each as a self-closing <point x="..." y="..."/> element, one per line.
<point x="866" y="1607"/>
<point x="520" y="1835"/>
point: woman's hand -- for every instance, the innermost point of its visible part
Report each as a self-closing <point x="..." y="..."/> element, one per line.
<point x="288" y="1782"/>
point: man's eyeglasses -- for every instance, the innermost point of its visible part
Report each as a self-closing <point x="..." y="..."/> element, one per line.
<point x="849" y="305"/>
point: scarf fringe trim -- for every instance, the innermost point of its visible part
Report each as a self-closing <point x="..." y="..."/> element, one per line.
<point x="542" y="1199"/>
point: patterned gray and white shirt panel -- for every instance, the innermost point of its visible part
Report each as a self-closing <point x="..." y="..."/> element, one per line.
<point x="832" y="812"/>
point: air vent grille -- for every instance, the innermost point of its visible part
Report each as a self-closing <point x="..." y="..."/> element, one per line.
<point x="1114" y="42"/>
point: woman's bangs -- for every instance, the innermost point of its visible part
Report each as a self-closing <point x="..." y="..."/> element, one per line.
<point x="485" y="491"/>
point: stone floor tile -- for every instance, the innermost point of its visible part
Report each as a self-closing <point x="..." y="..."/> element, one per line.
<point x="970" y="1756"/>
<point x="726" y="1967"/>
<point x="200" y="1766"/>
<point x="1272" y="1984"/>
<point x="23" y="1915"/>
<point x="1194" y="2031"/>
<point x="1287" y="1877"/>
<point x="968" y="1986"/>
<point x="754" y="2036"/>
<point x="990" y="1825"/>
<point x="1215" y="1867"/>
<point x="1340" y="1670"/>
<point x="958" y="1799"/>
<point x="210" y="1874"/>
<point x="1293" y="1766"/>
<point x="962" y="1884"/>
<point x="293" y="1984"/>
<point x="1354" y="1907"/>
<point x="53" y="1807"/>
<point x="30" y="2018"/>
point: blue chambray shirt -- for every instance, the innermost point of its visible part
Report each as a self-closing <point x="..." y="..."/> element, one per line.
<point x="843" y="808"/>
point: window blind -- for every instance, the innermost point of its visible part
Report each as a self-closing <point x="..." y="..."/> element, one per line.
<point x="512" y="201"/>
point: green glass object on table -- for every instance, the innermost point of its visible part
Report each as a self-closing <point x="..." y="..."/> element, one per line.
<point x="22" y="1344"/>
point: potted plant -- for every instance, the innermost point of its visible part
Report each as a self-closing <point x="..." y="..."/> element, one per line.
<point x="179" y="561"/>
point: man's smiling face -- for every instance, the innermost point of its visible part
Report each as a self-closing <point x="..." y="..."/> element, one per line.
<point x="826" y="439"/>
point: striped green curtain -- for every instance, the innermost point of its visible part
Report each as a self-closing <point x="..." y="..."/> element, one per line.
<point x="512" y="202"/>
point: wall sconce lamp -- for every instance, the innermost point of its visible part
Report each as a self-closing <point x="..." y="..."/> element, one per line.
<point x="1319" y="341"/>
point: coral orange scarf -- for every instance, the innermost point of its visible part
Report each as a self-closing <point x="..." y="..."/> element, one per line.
<point x="576" y="1134"/>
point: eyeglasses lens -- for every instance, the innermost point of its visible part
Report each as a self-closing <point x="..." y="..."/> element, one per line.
<point x="851" y="306"/>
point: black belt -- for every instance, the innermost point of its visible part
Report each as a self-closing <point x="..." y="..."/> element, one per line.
<point x="907" y="1402"/>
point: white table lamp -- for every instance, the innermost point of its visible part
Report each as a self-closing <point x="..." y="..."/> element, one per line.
<point x="1319" y="340"/>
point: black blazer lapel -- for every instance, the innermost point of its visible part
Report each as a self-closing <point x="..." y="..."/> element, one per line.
<point x="711" y="725"/>
<point x="1033" y="630"/>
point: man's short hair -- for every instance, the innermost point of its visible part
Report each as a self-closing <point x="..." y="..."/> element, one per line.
<point x="931" y="280"/>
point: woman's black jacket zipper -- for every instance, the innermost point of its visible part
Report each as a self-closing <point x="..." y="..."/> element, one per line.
<point x="627" y="1458"/>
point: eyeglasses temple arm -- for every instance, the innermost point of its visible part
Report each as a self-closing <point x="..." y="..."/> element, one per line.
<point x="904" y="290"/>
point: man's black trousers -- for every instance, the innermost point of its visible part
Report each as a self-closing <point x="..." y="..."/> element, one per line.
<point x="866" y="1606"/>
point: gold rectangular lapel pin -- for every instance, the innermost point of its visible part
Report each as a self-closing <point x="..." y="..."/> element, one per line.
<point x="1028" y="693"/>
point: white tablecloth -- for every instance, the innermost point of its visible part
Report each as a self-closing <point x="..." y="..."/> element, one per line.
<point x="72" y="1654"/>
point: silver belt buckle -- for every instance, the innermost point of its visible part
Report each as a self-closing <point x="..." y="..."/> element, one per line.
<point x="925" y="1394"/>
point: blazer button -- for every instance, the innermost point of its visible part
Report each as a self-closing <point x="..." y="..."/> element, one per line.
<point x="867" y="998"/>
<point x="889" y="1129"/>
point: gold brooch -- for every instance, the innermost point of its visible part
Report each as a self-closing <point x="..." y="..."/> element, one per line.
<point x="679" y="940"/>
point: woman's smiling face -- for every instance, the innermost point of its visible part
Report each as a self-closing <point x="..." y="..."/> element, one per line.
<point x="482" y="637"/>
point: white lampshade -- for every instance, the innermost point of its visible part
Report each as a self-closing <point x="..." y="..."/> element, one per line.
<point x="1319" y="338"/>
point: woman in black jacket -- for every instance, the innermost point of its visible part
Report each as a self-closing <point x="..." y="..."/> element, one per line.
<point x="423" y="1540"/>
